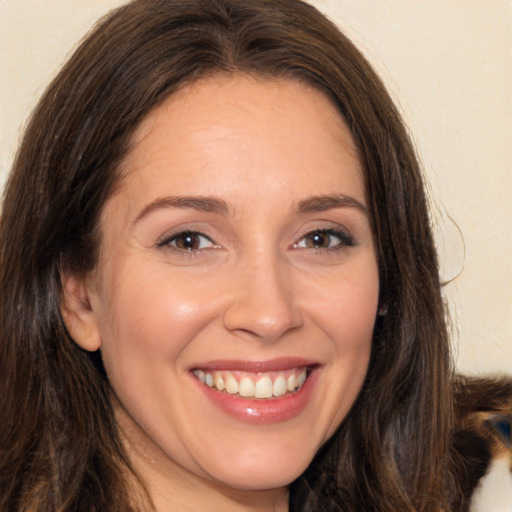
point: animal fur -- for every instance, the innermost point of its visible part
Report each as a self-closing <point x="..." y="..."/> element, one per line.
<point x="483" y="412"/>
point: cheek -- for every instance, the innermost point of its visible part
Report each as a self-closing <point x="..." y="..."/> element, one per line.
<point x="346" y="305"/>
<point x="347" y="315"/>
<point x="151" y="314"/>
<point x="345" y="308"/>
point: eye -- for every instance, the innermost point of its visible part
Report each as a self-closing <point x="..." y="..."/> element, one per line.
<point x="187" y="241"/>
<point x="325" y="239"/>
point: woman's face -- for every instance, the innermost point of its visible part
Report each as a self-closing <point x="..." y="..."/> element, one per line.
<point x="237" y="286"/>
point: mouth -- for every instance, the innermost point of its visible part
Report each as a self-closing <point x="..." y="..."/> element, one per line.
<point x="263" y="392"/>
<point x="258" y="385"/>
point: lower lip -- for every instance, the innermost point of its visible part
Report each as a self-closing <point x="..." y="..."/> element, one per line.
<point x="254" y="411"/>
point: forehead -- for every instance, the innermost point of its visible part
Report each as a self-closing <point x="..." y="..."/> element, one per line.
<point x="241" y="130"/>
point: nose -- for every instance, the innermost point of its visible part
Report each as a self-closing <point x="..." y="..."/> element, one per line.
<point x="263" y="303"/>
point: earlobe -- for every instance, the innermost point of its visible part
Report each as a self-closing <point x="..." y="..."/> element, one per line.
<point x="78" y="315"/>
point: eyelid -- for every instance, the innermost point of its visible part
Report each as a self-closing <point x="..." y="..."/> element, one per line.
<point x="165" y="241"/>
<point x="346" y="239"/>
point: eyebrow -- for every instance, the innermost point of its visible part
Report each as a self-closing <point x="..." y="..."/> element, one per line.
<point x="200" y="203"/>
<point x="327" y="202"/>
<point x="214" y="205"/>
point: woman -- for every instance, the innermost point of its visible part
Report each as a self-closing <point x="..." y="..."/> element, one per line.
<point x="220" y="289"/>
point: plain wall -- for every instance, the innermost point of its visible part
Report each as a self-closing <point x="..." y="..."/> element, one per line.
<point x="448" y="64"/>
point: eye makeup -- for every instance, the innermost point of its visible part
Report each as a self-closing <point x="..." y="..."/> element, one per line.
<point x="186" y="240"/>
<point x="325" y="239"/>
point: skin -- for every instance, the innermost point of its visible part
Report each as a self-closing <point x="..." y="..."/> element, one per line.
<point x="258" y="288"/>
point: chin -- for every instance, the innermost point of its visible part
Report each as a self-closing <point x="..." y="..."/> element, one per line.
<point x="273" y="469"/>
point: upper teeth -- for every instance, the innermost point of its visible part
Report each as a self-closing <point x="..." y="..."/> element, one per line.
<point x="260" y="385"/>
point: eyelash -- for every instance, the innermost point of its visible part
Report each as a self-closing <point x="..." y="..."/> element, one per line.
<point x="167" y="241"/>
<point x="345" y="240"/>
<point x="170" y="241"/>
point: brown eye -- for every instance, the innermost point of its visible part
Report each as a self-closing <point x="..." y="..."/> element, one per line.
<point x="325" y="239"/>
<point x="187" y="241"/>
<point x="317" y="239"/>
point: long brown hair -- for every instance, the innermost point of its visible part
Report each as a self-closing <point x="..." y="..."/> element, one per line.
<point x="60" y="449"/>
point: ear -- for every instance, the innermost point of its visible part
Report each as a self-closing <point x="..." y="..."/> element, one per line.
<point x="77" y="313"/>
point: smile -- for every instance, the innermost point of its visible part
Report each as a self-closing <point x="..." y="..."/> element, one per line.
<point x="258" y="392"/>
<point x="261" y="385"/>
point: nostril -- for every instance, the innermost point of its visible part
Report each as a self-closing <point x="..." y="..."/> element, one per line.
<point x="262" y="304"/>
<point x="264" y="320"/>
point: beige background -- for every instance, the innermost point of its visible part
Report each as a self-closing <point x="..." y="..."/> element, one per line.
<point x="448" y="64"/>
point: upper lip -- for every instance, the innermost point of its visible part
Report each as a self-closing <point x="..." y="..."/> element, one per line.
<point x="283" y="363"/>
